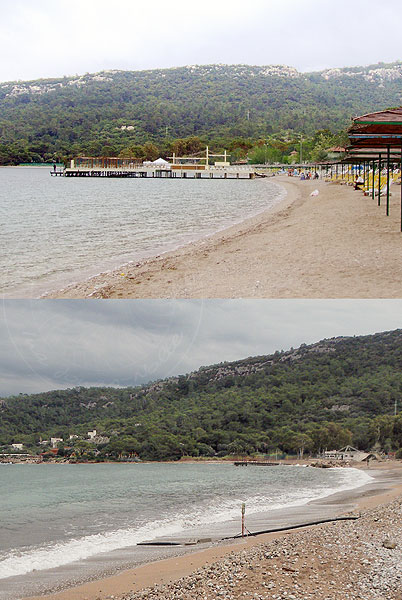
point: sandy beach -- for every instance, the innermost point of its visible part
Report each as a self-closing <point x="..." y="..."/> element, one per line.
<point x="338" y="244"/>
<point x="349" y="560"/>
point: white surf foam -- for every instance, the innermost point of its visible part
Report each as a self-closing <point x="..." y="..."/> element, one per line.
<point x="21" y="562"/>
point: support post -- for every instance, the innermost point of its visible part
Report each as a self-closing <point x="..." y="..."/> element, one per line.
<point x="372" y="183"/>
<point x="379" y="180"/>
<point x="388" y="165"/>
<point x="243" y="512"/>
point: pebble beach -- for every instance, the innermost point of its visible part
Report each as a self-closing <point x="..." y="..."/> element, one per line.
<point x="352" y="560"/>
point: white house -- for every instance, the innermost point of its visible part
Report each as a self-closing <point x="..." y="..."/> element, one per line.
<point x="17" y="446"/>
<point x="92" y="434"/>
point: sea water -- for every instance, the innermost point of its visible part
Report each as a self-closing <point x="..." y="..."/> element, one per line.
<point x="59" y="516"/>
<point x="56" y="230"/>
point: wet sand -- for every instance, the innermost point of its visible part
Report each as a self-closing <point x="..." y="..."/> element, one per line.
<point x="227" y="565"/>
<point x="338" y="244"/>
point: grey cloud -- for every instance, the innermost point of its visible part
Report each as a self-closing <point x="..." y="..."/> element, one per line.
<point x="311" y="35"/>
<point x="53" y="344"/>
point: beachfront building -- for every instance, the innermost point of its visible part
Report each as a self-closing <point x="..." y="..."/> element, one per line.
<point x="348" y="453"/>
<point x="335" y="153"/>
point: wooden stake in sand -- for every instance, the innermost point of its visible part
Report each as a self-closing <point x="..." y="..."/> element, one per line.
<point x="243" y="512"/>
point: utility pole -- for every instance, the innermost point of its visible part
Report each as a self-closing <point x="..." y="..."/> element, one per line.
<point x="301" y="149"/>
<point x="248" y="115"/>
<point x="395" y="407"/>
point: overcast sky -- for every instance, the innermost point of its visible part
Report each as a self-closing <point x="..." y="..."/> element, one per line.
<point x="57" y="344"/>
<point x="43" y="38"/>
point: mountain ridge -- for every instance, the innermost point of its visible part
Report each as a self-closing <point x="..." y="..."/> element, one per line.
<point x="113" y="112"/>
<point x="381" y="70"/>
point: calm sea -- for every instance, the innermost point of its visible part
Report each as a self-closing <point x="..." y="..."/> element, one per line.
<point x="56" y="519"/>
<point x="57" y="230"/>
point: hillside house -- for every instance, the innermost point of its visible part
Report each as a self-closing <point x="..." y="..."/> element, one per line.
<point x="17" y="446"/>
<point x="55" y="441"/>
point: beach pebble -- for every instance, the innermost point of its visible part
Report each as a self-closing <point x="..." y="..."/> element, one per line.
<point x="391" y="545"/>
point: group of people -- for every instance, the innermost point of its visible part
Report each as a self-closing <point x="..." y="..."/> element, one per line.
<point x="306" y="176"/>
<point x="303" y="176"/>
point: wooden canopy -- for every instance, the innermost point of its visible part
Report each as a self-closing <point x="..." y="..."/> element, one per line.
<point x="377" y="130"/>
<point x="377" y="137"/>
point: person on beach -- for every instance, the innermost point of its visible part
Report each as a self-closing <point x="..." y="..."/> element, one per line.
<point x="359" y="182"/>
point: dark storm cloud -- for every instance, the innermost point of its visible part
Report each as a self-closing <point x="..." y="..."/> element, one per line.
<point x="54" y="344"/>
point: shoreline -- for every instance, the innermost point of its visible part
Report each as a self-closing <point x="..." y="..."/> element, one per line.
<point x="384" y="488"/>
<point x="142" y="261"/>
<point x="244" y="200"/>
<point x="92" y="287"/>
<point x="338" y="244"/>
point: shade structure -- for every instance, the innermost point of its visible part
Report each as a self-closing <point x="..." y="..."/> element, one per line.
<point x="356" y="154"/>
<point x="377" y="137"/>
<point x="377" y="130"/>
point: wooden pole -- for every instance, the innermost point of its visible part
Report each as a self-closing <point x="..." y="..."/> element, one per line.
<point x="379" y="179"/>
<point x="388" y="165"/>
<point x="400" y="171"/>
<point x="243" y="512"/>
<point x="372" y="183"/>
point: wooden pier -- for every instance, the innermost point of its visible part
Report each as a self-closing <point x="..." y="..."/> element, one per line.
<point x="255" y="463"/>
<point x="152" y="173"/>
<point x="184" y="167"/>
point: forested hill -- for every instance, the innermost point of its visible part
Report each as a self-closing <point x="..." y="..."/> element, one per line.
<point x="328" y="394"/>
<point x="113" y="111"/>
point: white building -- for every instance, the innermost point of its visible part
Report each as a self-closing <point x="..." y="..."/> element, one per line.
<point x="55" y="441"/>
<point x="17" y="446"/>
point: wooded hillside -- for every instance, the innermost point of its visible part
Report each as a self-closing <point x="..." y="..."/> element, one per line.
<point x="115" y="113"/>
<point x="325" y="395"/>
